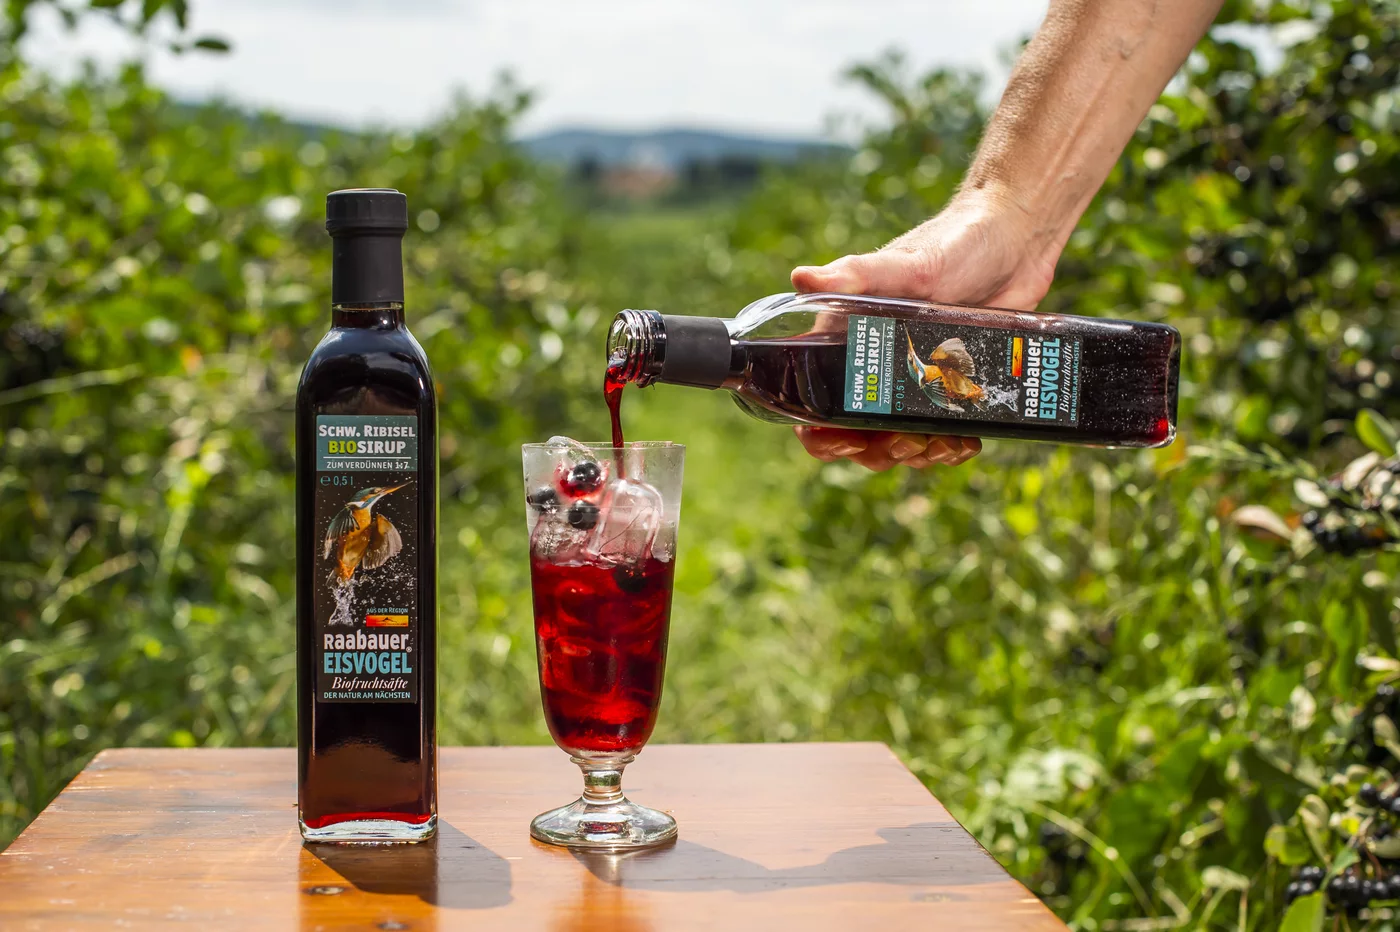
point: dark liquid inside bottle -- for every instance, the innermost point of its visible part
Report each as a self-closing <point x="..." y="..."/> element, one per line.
<point x="1130" y="400"/>
<point x="366" y="436"/>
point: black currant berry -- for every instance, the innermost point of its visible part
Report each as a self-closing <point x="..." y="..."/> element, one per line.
<point x="1367" y="892"/>
<point x="1385" y="692"/>
<point x="1368" y="795"/>
<point x="544" y="500"/>
<point x="1312" y="873"/>
<point x="1394" y="805"/>
<point x="584" y="478"/>
<point x="583" y="515"/>
<point x="1292" y="892"/>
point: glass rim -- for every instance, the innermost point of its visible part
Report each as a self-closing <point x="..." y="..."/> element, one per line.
<point x="607" y="445"/>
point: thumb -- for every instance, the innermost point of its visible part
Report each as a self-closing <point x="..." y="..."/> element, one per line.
<point x="892" y="272"/>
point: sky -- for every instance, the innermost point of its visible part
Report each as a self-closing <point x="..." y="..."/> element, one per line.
<point x="760" y="66"/>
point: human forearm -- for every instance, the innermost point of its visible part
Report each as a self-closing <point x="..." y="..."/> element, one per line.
<point x="1080" y="89"/>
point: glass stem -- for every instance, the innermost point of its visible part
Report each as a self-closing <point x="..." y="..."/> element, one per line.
<point x="602" y="780"/>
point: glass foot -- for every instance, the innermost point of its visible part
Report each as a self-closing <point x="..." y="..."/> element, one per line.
<point x="611" y="826"/>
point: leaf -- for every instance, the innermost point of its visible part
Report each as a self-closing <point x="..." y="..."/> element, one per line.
<point x="1301" y="708"/>
<point x="1339" y="623"/>
<point x="1357" y="470"/>
<point x="1310" y="493"/>
<point x="1383" y="729"/>
<point x="1314" y="814"/>
<point x="1305" y="915"/>
<point x="1388" y="847"/>
<point x="1285" y="844"/>
<point x="1379" y="664"/>
<point x="212" y="44"/>
<point x="1022" y="519"/>
<point x="1262" y="522"/>
<point x="1376" y="432"/>
<point x="1222" y="878"/>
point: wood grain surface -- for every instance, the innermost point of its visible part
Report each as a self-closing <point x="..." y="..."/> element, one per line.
<point x="777" y="836"/>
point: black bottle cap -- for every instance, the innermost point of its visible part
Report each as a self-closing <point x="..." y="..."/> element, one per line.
<point x="356" y="210"/>
<point x="366" y="227"/>
<point x="697" y="351"/>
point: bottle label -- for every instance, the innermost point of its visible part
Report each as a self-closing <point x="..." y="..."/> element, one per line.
<point x="367" y="552"/>
<point x="914" y="368"/>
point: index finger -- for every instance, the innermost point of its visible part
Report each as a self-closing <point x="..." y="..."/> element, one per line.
<point x="831" y="443"/>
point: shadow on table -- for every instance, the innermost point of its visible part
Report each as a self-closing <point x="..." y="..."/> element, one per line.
<point x="912" y="855"/>
<point x="451" y="870"/>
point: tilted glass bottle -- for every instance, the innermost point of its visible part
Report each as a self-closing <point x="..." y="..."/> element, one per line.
<point x="918" y="367"/>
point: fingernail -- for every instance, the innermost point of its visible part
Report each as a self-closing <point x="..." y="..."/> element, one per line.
<point x="846" y="448"/>
<point x="939" y="448"/>
<point x="833" y="275"/>
<point x="905" y="447"/>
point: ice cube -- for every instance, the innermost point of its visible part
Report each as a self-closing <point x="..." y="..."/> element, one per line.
<point x="631" y="515"/>
<point x="664" y="547"/>
<point x="568" y="450"/>
<point x="555" y="540"/>
<point x="578" y="473"/>
<point x="580" y="665"/>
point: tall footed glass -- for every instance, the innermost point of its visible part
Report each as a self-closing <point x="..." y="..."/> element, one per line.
<point x="603" y="524"/>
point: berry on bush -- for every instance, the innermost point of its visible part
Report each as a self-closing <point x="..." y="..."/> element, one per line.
<point x="1311" y="874"/>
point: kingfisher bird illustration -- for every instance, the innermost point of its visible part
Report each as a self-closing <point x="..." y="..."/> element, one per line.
<point x="359" y="538"/>
<point x="947" y="376"/>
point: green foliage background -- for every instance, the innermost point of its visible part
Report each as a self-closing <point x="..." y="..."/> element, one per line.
<point x="1083" y="653"/>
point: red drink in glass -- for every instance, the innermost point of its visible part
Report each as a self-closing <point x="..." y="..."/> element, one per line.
<point x="601" y="637"/>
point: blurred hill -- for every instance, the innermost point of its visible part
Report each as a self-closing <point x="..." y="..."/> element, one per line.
<point x="669" y="165"/>
<point x="668" y="148"/>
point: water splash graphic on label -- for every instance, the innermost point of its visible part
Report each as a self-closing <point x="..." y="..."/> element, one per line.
<point x="344" y="595"/>
<point x="995" y="395"/>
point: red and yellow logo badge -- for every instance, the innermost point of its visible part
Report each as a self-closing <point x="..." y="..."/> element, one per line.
<point x="386" y="621"/>
<point x="1016" y="353"/>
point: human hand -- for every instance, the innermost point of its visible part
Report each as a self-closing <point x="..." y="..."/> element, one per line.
<point x="879" y="450"/>
<point x="979" y="250"/>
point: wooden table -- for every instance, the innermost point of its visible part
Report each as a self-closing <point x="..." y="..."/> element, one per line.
<point x="773" y="837"/>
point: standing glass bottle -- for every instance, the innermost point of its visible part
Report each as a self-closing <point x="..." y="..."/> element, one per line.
<point x="366" y="446"/>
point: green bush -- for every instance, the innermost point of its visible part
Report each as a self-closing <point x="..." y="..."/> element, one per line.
<point x="1152" y="683"/>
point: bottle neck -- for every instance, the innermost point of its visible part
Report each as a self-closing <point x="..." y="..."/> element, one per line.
<point x="367" y="268"/>
<point x="379" y="315"/>
<point x="646" y="347"/>
<point x="636" y="347"/>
